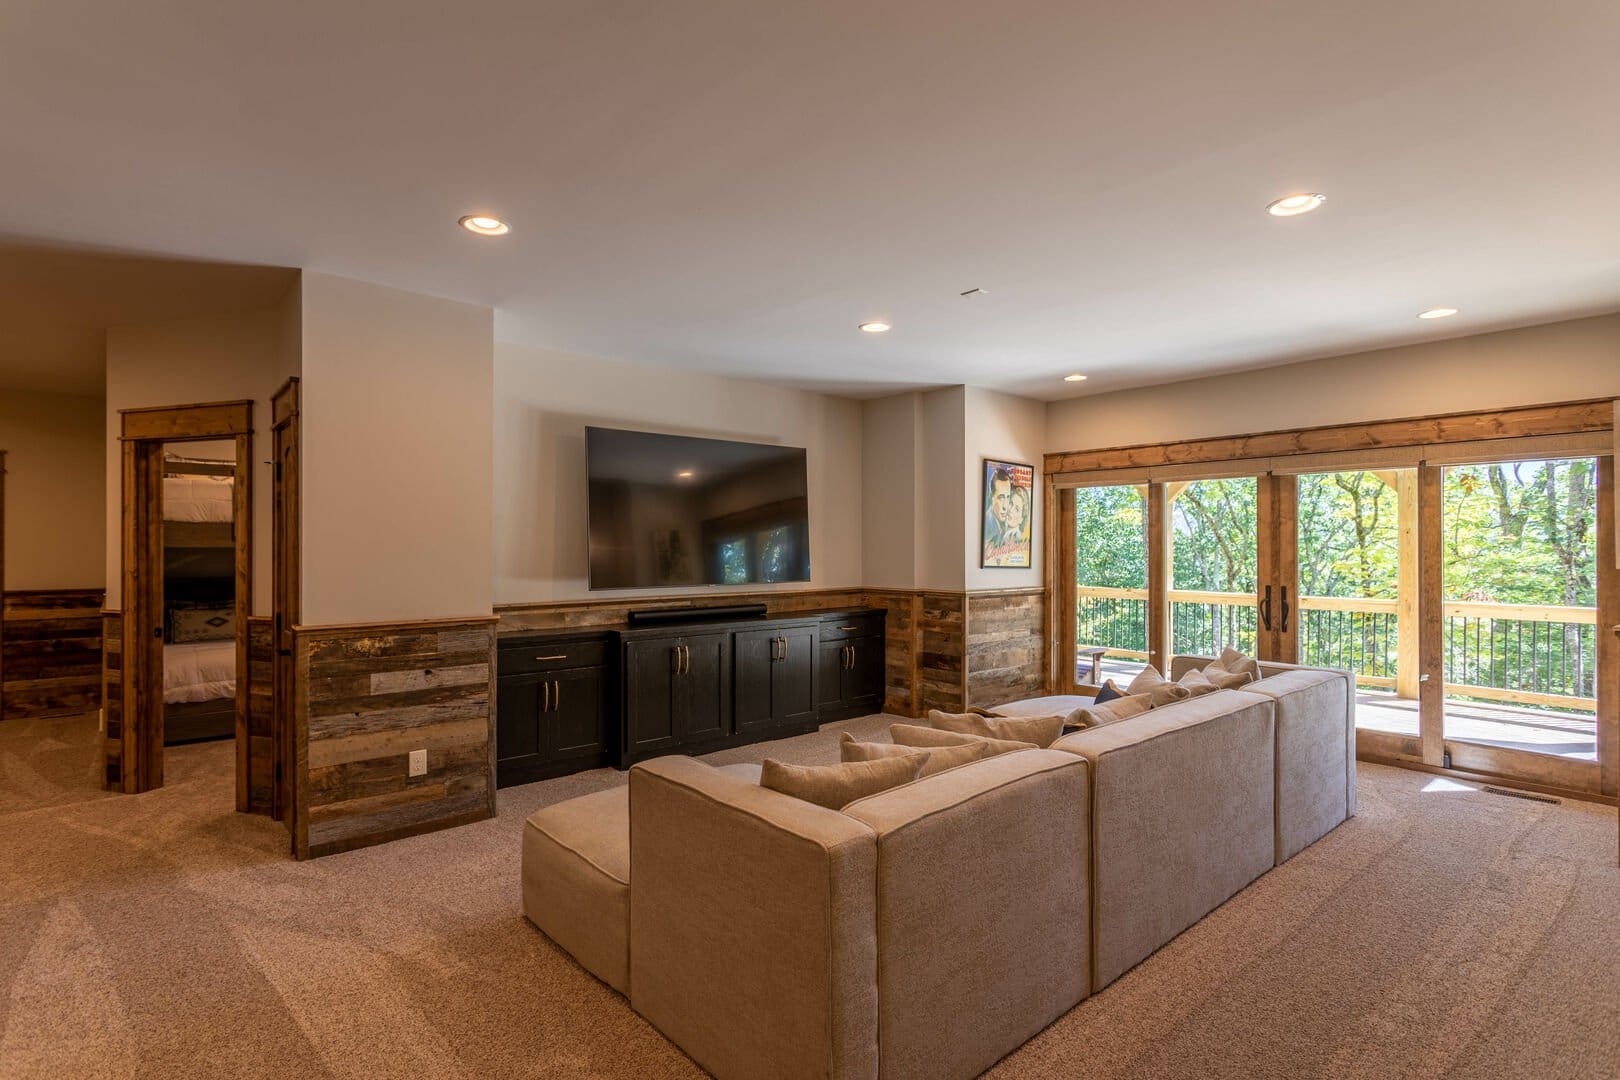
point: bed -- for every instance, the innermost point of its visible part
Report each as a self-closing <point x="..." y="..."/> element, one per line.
<point x="199" y="676"/>
<point x="199" y="509"/>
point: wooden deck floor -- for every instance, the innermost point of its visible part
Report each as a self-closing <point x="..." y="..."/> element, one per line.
<point x="1571" y="735"/>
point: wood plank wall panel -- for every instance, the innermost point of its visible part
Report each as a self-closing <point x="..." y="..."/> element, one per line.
<point x="941" y="663"/>
<point x="1005" y="646"/>
<point x="112" y="697"/>
<point x="589" y="613"/>
<point x="52" y="643"/>
<point x="260" y="715"/>
<point x="366" y="697"/>
<point x="901" y="648"/>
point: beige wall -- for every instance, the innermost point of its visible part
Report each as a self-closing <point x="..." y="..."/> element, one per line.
<point x="1566" y="361"/>
<point x="1007" y="428"/>
<point x="227" y="357"/>
<point x="546" y="399"/>
<point x="942" y="514"/>
<point x="890" y="428"/>
<point x="56" y="508"/>
<point x="397" y="395"/>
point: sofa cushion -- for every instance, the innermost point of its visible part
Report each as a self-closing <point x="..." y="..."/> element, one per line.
<point x="1182" y="818"/>
<point x="1160" y="690"/>
<point x="1316" y="759"/>
<point x="836" y="786"/>
<point x="915" y="735"/>
<point x="1110" y="712"/>
<point x="1199" y="683"/>
<point x="935" y="759"/>
<point x="576" y="880"/>
<point x="1040" y="730"/>
<point x="982" y="910"/>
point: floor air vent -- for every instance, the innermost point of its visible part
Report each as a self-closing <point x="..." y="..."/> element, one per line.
<point x="1523" y="795"/>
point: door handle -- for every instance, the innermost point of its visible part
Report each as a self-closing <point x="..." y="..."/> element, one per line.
<point x="1265" y="610"/>
<point x="1285" y="609"/>
<point x="686" y="659"/>
<point x="559" y="656"/>
<point x="556" y="694"/>
<point x="783" y="642"/>
<point x="849" y="657"/>
<point x="545" y="696"/>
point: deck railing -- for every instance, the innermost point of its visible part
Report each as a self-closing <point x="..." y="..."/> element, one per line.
<point x="1522" y="653"/>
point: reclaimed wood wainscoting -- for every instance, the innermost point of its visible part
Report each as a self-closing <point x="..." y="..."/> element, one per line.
<point x="368" y="695"/>
<point x="1006" y="645"/>
<point x="256" y="756"/>
<point x="50" y="652"/>
<point x="112" y="699"/>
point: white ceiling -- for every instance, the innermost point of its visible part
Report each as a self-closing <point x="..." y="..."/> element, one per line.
<point x="733" y="186"/>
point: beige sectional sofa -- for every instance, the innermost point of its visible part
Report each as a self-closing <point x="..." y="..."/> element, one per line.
<point x="929" y="930"/>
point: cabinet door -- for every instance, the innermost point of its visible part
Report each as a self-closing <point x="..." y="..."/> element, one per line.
<point x="652" y="693"/>
<point x="830" y="674"/>
<point x="576" y="726"/>
<point x="793" y="678"/>
<point x="517" y="719"/>
<point x="755" y="666"/>
<point x="705" y="689"/>
<point x="864" y="681"/>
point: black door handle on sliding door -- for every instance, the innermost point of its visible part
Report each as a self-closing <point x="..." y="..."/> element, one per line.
<point x="1265" y="610"/>
<point x="1285" y="609"/>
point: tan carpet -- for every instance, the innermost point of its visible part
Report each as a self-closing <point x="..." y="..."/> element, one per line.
<point x="1443" y="932"/>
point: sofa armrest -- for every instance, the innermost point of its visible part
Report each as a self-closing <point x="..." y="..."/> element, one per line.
<point x="752" y="935"/>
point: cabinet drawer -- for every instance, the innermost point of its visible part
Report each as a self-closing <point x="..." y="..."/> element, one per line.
<point x="550" y="656"/>
<point x="852" y="626"/>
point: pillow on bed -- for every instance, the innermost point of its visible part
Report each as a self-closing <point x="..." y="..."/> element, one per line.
<point x="188" y="624"/>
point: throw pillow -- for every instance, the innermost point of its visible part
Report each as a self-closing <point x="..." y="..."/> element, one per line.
<point x="1199" y="683"/>
<point x="915" y="735"/>
<point x="1107" y="692"/>
<point x="935" y="759"/>
<point x="1160" y="690"/>
<point x="1040" y="730"/>
<point x="1109" y="712"/>
<point x="836" y="786"/>
<point x="1227" y="680"/>
<point x="1234" y="661"/>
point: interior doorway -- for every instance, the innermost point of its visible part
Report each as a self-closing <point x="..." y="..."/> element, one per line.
<point x="159" y="475"/>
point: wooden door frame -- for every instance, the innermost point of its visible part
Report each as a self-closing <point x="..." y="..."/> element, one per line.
<point x="144" y="433"/>
<point x="286" y="585"/>
<point x="1277" y="567"/>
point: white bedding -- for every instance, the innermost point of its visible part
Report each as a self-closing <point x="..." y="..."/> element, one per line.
<point x="199" y="671"/>
<point x="197" y="498"/>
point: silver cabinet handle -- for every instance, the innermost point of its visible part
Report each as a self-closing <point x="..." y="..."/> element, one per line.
<point x="545" y="699"/>
<point x="556" y="694"/>
<point x="686" y="659"/>
<point x="849" y="628"/>
<point x="559" y="656"/>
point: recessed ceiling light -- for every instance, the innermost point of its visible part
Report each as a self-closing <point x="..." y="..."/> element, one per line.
<point x="1291" y="205"/>
<point x="685" y="474"/>
<point x="1076" y="377"/>
<point x="875" y="327"/>
<point x="484" y="225"/>
<point x="1438" y="313"/>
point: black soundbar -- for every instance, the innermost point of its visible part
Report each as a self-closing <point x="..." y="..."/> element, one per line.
<point x="665" y="616"/>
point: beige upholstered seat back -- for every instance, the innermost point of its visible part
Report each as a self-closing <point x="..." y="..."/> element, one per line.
<point x="753" y="944"/>
<point x="1182" y="819"/>
<point x="1316" y="753"/>
<point x="982" y="909"/>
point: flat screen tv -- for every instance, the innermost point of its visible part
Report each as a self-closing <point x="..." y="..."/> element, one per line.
<point x="671" y="510"/>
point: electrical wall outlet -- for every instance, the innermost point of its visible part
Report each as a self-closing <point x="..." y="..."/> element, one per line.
<point x="418" y="763"/>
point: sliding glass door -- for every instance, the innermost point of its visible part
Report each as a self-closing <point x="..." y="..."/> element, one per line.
<point x="1111" y="584"/>
<point x="1213" y="569"/>
<point x="1519" y="635"/>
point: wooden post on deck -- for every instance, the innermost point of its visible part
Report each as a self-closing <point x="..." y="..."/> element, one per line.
<point x="1406" y="592"/>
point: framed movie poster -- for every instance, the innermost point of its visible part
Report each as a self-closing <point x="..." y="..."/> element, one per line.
<point x="1009" y="513"/>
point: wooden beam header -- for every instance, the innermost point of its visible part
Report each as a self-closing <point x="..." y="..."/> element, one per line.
<point x="1563" y="419"/>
